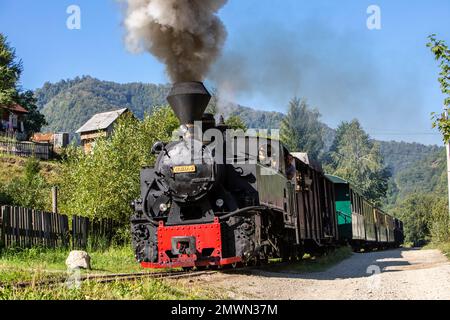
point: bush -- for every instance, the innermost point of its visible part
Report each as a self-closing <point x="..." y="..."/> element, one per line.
<point x="415" y="212"/>
<point x="30" y="190"/>
<point x="425" y="218"/>
<point x="103" y="184"/>
<point x="440" y="222"/>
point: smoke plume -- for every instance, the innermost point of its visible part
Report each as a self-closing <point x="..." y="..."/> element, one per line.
<point x="186" y="35"/>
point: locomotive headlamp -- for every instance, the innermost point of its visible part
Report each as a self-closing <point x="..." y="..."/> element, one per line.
<point x="163" y="207"/>
<point x="220" y="203"/>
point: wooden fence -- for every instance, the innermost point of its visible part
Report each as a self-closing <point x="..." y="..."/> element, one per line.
<point x="96" y="233"/>
<point x="43" y="151"/>
<point x="21" y="227"/>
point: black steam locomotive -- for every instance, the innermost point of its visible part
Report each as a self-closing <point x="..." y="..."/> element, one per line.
<point x="227" y="199"/>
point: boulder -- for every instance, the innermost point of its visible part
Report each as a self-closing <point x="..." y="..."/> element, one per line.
<point x="78" y="260"/>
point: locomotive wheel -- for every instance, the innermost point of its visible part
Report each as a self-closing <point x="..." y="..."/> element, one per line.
<point x="187" y="269"/>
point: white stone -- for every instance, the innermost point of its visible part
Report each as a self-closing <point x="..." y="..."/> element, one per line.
<point x="78" y="260"/>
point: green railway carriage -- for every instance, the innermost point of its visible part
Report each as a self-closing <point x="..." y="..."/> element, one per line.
<point x="360" y="223"/>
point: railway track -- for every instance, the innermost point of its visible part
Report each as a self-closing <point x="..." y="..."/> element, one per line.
<point x="108" y="278"/>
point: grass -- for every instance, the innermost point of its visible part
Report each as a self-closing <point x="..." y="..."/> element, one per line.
<point x="12" y="167"/>
<point x="148" y="289"/>
<point x="38" y="263"/>
<point x="316" y="264"/>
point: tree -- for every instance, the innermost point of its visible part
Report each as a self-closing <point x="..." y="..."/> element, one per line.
<point x="354" y="157"/>
<point x="416" y="213"/>
<point x="10" y="71"/>
<point x="301" y="129"/>
<point x="34" y="120"/>
<point x="440" y="221"/>
<point x="236" y="123"/>
<point x="103" y="184"/>
<point x="442" y="54"/>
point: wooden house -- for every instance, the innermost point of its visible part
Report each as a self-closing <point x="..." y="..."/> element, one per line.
<point x="12" y="119"/>
<point x="100" y="125"/>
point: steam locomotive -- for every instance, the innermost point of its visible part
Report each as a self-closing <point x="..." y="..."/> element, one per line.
<point x="218" y="198"/>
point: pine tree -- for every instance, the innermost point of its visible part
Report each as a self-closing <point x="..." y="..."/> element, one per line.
<point x="10" y="71"/>
<point x="301" y="129"/>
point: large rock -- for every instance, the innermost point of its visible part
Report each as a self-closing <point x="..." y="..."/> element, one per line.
<point x="78" y="260"/>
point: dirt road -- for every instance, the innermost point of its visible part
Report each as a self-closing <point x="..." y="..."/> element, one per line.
<point x="393" y="274"/>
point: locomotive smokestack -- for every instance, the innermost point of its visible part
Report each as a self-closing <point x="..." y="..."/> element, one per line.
<point x="189" y="101"/>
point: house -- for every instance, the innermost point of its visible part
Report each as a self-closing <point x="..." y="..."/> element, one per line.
<point x="43" y="137"/>
<point x="100" y="125"/>
<point x="12" y="119"/>
<point x="58" y="140"/>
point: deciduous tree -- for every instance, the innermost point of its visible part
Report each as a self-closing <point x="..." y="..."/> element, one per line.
<point x="356" y="158"/>
<point x="442" y="54"/>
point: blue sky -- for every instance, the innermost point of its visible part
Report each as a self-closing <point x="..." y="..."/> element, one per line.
<point x="320" y="50"/>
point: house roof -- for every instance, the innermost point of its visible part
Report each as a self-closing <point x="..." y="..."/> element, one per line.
<point x="16" y="108"/>
<point x="303" y="157"/>
<point x="42" y="137"/>
<point x="101" y="121"/>
<point x="336" y="180"/>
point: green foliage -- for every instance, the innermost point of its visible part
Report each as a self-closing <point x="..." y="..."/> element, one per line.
<point x="400" y="156"/>
<point x="301" y="129"/>
<point x="10" y="71"/>
<point x="442" y="54"/>
<point x="5" y="199"/>
<point x="422" y="215"/>
<point x="440" y="221"/>
<point x="34" y="120"/>
<point x="356" y="158"/>
<point x="427" y="175"/>
<point x="236" y="123"/>
<point x="31" y="190"/>
<point x="103" y="184"/>
<point x="415" y="169"/>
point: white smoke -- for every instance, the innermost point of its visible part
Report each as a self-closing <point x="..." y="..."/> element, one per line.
<point x="186" y="35"/>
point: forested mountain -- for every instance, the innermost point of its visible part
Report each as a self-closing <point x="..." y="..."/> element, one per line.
<point x="69" y="103"/>
<point x="401" y="155"/>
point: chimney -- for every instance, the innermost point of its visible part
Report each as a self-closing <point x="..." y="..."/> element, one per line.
<point x="189" y="101"/>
